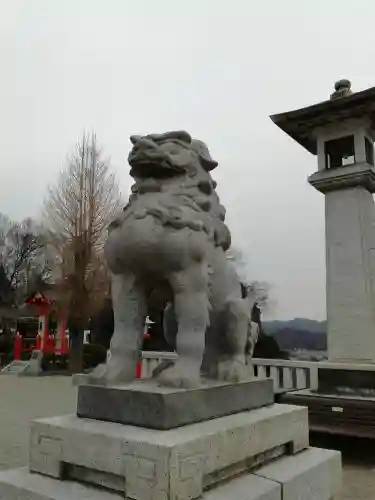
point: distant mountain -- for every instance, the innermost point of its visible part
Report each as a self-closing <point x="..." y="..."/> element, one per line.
<point x="309" y="325"/>
<point x="299" y="333"/>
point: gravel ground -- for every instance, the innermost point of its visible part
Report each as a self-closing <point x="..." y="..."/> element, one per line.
<point x="24" y="399"/>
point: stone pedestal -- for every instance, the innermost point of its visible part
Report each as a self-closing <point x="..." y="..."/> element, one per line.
<point x="259" y="454"/>
<point x="145" y="404"/>
<point x="346" y="379"/>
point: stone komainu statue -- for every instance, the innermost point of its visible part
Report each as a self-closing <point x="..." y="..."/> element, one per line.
<point x="172" y="237"/>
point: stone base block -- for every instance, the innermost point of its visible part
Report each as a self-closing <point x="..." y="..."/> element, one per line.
<point x="162" y="465"/>
<point x="247" y="487"/>
<point x="144" y="403"/>
<point x="312" y="474"/>
<point x="20" y="484"/>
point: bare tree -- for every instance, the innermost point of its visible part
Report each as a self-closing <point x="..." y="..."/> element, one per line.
<point x="235" y="256"/>
<point x="24" y="259"/>
<point x="78" y="210"/>
<point x="259" y="289"/>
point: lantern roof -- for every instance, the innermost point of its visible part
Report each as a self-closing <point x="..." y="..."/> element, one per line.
<point x="343" y="104"/>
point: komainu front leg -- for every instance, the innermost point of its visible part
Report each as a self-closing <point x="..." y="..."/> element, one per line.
<point x="191" y="307"/>
<point x="129" y="309"/>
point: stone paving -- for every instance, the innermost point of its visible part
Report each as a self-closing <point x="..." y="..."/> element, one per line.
<point x="24" y="399"/>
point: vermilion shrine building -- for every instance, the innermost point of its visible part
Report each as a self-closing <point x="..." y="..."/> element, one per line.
<point x="52" y="336"/>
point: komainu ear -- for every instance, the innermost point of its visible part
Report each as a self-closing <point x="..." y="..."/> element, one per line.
<point x="204" y="155"/>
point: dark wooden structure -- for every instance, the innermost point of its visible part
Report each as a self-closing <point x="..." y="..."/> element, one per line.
<point x="344" y="402"/>
<point x="344" y="415"/>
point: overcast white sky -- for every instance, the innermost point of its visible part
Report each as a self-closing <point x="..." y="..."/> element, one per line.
<point x="216" y="68"/>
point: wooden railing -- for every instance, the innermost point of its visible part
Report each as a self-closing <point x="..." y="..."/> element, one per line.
<point x="287" y="375"/>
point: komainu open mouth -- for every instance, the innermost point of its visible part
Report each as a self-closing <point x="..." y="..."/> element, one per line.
<point x="156" y="169"/>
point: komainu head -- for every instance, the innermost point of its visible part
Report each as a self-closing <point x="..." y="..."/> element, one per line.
<point x="168" y="155"/>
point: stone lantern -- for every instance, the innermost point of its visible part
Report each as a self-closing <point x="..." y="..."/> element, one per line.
<point x="341" y="133"/>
